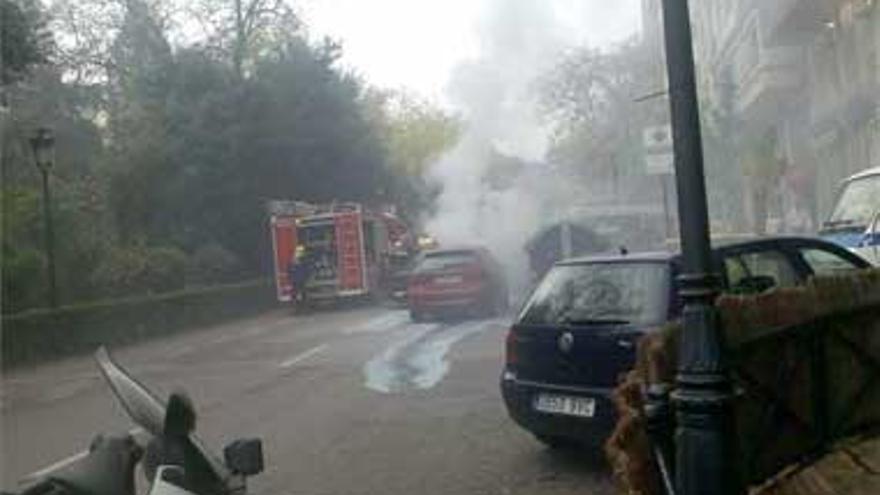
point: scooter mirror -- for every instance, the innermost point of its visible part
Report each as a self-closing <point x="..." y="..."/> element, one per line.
<point x="244" y="456"/>
<point x="180" y="415"/>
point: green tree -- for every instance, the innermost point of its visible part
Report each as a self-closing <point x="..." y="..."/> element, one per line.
<point x="137" y="124"/>
<point x="293" y="129"/>
<point x="34" y="95"/>
<point x="721" y="150"/>
<point x="590" y="97"/>
<point x="762" y="169"/>
<point x="415" y="133"/>
<point x="244" y="31"/>
<point x="24" y="40"/>
<point x="167" y="153"/>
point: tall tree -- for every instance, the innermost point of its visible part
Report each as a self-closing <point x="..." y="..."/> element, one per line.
<point x="137" y="122"/>
<point x="415" y="134"/>
<point x="244" y="30"/>
<point x="590" y="97"/>
<point x="24" y="40"/>
<point x="168" y="148"/>
<point x="35" y="95"/>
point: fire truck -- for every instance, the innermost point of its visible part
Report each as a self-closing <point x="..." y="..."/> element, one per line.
<point x="348" y="249"/>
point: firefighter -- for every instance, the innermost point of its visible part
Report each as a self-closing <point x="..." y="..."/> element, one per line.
<point x="300" y="270"/>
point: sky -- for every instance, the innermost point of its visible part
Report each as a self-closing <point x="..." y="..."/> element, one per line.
<point x="416" y="44"/>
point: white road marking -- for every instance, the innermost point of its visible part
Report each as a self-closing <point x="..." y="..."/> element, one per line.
<point x="63" y="463"/>
<point x="287" y="363"/>
<point x="379" y="324"/>
<point x="248" y="332"/>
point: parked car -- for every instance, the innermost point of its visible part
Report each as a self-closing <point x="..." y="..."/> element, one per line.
<point x="458" y="281"/>
<point x="577" y="332"/>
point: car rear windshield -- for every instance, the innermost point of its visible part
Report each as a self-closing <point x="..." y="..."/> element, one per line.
<point x="447" y="259"/>
<point x="597" y="293"/>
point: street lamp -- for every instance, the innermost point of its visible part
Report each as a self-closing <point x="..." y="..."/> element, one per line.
<point x="43" y="145"/>
<point x="705" y="462"/>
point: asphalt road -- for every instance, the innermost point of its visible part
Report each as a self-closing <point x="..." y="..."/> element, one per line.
<point x="357" y="401"/>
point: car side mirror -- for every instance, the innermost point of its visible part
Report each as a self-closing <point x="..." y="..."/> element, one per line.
<point x="244" y="456"/>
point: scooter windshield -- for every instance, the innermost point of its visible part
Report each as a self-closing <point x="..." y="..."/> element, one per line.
<point x="142" y="406"/>
<point x="148" y="412"/>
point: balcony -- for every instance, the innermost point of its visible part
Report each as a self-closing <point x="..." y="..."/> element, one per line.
<point x="768" y="80"/>
<point x="840" y="112"/>
<point x="791" y="21"/>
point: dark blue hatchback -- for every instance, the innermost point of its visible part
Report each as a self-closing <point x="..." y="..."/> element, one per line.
<point x="577" y="332"/>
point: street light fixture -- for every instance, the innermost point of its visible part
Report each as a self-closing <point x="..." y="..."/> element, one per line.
<point x="43" y="146"/>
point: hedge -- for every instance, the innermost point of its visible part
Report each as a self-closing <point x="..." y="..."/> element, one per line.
<point x="38" y="335"/>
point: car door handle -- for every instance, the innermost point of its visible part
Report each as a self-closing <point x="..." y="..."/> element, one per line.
<point x="626" y="344"/>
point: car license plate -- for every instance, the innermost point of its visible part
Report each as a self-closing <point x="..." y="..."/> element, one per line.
<point x="449" y="279"/>
<point x="583" y="407"/>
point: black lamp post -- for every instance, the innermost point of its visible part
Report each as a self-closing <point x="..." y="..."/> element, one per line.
<point x="43" y="146"/>
<point x="704" y="460"/>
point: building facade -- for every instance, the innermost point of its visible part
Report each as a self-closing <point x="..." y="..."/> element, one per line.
<point x="801" y="75"/>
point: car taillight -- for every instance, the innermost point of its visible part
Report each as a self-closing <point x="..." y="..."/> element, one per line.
<point x="510" y="355"/>
<point x="416" y="282"/>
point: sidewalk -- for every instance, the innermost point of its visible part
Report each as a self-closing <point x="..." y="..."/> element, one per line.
<point x="852" y="468"/>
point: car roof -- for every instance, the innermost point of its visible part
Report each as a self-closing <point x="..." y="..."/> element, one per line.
<point x="641" y="257"/>
<point x="774" y="240"/>
<point x="864" y="173"/>
<point x="719" y="245"/>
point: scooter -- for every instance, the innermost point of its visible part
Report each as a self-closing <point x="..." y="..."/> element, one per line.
<point x="173" y="458"/>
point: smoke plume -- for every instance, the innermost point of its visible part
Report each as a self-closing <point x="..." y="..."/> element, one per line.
<point x="519" y="42"/>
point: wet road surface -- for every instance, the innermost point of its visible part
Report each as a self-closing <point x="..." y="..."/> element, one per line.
<point x="356" y="401"/>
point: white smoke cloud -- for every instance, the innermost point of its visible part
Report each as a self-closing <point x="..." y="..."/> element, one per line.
<point x="521" y="41"/>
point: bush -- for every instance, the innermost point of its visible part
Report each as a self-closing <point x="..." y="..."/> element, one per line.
<point x="23" y="279"/>
<point x="42" y="334"/>
<point x="140" y="269"/>
<point x="211" y="264"/>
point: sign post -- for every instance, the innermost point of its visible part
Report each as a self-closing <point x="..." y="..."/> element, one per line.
<point x="657" y="143"/>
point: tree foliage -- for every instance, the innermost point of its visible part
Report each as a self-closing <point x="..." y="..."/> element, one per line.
<point x="168" y="150"/>
<point x="590" y="97"/>
<point x="24" y="41"/>
<point x="244" y="31"/>
<point x="415" y="134"/>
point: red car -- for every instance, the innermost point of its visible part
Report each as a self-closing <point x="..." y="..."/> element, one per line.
<point x="456" y="281"/>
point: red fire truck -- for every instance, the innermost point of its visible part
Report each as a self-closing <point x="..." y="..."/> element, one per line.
<point x="348" y="249"/>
